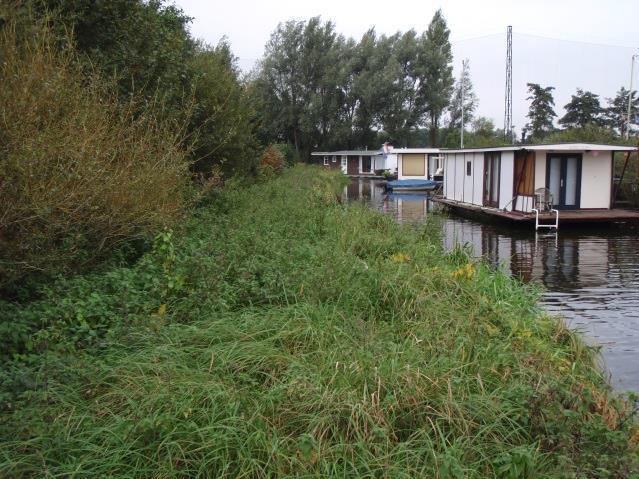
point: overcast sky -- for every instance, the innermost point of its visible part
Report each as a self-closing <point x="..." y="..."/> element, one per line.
<point x="562" y="43"/>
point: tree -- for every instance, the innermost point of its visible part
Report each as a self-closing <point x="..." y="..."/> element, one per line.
<point x="373" y="77"/>
<point x="145" y="44"/>
<point x="583" y="109"/>
<point x="147" y="47"/>
<point x="220" y="119"/>
<point x="540" y="112"/>
<point x="404" y="105"/>
<point x="463" y="85"/>
<point x="616" y="112"/>
<point x="298" y="86"/>
<point x="437" y="79"/>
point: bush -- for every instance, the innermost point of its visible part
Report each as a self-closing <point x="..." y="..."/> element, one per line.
<point x="288" y="151"/>
<point x="222" y="116"/>
<point x="80" y="173"/>
<point x="272" y="160"/>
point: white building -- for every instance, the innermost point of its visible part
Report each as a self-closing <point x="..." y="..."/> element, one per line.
<point x="577" y="175"/>
<point x="358" y="162"/>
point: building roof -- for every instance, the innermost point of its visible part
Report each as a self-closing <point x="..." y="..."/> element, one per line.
<point x="348" y="153"/>
<point x="548" y="147"/>
<point x="416" y="150"/>
<point x="543" y="147"/>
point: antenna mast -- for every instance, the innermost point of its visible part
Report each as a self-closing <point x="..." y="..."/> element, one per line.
<point x="508" y="102"/>
<point x="463" y="98"/>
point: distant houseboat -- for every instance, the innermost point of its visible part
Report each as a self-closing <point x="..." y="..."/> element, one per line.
<point x="419" y="164"/>
<point x="513" y="181"/>
<point x="358" y="162"/>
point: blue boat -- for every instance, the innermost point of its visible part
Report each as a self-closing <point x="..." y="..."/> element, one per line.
<point x="411" y="185"/>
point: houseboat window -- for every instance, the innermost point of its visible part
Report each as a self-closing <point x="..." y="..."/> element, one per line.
<point x="413" y="165"/>
<point x="469" y="168"/>
<point x="344" y="160"/>
<point x="326" y="160"/>
<point x="334" y="159"/>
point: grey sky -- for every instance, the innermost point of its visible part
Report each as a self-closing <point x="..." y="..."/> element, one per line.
<point x="563" y="43"/>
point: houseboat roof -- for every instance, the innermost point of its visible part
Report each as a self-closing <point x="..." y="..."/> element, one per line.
<point x="546" y="147"/>
<point x="347" y="153"/>
<point x="416" y="150"/>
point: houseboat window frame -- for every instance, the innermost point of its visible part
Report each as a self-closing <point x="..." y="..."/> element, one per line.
<point x="334" y="158"/>
<point x="325" y="160"/>
<point x="344" y="160"/>
<point x="469" y="168"/>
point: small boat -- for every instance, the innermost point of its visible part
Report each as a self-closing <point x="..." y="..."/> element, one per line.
<point x="411" y="185"/>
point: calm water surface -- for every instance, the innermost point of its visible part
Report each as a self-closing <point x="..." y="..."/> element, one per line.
<point x="591" y="277"/>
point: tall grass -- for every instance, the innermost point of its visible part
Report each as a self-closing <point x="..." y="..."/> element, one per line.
<point x="79" y="172"/>
<point x="285" y="334"/>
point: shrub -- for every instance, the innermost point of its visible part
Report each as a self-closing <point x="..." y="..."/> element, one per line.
<point x="288" y="151"/>
<point x="80" y="173"/>
<point x="272" y="160"/>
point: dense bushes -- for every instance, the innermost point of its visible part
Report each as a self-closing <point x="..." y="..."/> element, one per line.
<point x="221" y="116"/>
<point x="147" y="48"/>
<point x="107" y="113"/>
<point x="80" y="172"/>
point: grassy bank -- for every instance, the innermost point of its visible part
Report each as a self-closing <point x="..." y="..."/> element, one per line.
<point x="281" y="333"/>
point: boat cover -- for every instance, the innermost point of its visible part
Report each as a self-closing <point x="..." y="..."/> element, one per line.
<point x="411" y="184"/>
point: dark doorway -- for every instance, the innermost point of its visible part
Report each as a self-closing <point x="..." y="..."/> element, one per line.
<point x="352" y="165"/>
<point x="492" y="171"/>
<point x="366" y="164"/>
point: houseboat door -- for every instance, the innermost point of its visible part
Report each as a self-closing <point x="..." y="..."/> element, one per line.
<point x="366" y="164"/>
<point x="352" y="167"/>
<point x="492" y="170"/>
<point x="563" y="179"/>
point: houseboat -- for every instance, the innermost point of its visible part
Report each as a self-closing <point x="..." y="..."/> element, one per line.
<point x="358" y="162"/>
<point x="419" y="164"/>
<point x="518" y="183"/>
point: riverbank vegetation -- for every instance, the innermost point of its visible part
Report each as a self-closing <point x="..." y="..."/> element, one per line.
<point x="114" y="121"/>
<point x="282" y="333"/>
<point x="178" y="299"/>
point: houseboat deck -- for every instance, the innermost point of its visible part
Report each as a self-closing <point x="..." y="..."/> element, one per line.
<point x="582" y="216"/>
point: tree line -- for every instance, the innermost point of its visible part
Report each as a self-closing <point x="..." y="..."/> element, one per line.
<point x="317" y="89"/>
<point x="584" y="112"/>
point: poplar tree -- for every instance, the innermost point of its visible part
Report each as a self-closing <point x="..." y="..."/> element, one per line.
<point x="437" y="80"/>
<point x="463" y="87"/>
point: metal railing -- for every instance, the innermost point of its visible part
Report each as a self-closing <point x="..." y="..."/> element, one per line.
<point x="546" y="225"/>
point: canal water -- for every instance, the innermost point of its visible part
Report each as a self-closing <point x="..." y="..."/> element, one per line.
<point x="590" y="277"/>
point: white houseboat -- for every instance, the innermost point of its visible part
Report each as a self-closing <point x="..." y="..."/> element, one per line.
<point x="514" y="181"/>
<point x="358" y="162"/>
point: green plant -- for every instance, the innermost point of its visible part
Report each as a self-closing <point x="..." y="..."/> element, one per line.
<point x="82" y="174"/>
<point x="310" y="339"/>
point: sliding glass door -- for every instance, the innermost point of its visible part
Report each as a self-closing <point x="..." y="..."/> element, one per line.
<point x="563" y="179"/>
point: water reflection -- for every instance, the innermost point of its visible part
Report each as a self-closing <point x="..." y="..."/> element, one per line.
<point x="405" y="207"/>
<point x="591" y="277"/>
